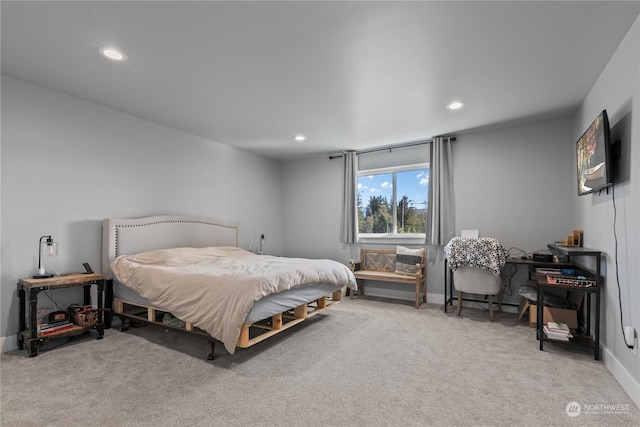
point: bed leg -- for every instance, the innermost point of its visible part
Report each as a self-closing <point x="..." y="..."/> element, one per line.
<point x="123" y="324"/>
<point x="212" y="355"/>
<point x="243" y="340"/>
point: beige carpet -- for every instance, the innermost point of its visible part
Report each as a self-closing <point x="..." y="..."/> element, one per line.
<point x="363" y="363"/>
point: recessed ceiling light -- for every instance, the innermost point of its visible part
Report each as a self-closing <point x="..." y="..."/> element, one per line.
<point x="455" y="105"/>
<point x="113" y="53"/>
<point x="300" y="138"/>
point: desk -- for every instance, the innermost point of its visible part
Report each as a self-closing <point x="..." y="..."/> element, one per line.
<point x="541" y="281"/>
<point x="571" y="253"/>
<point x="448" y="279"/>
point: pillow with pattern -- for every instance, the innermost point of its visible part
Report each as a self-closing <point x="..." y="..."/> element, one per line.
<point x="406" y="260"/>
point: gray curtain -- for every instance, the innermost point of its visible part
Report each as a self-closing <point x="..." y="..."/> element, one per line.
<point x="441" y="209"/>
<point x="349" y="223"/>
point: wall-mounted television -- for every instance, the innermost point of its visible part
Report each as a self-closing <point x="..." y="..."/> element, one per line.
<point x="593" y="151"/>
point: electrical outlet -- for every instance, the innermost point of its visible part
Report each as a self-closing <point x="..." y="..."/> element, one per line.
<point x="630" y="338"/>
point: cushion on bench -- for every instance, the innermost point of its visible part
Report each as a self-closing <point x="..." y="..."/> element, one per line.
<point x="408" y="260"/>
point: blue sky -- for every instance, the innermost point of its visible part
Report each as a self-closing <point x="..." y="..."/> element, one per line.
<point x="414" y="184"/>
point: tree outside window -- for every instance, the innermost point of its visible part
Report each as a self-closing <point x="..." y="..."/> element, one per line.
<point x="393" y="201"/>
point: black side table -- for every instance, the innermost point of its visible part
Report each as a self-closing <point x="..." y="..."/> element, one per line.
<point x="28" y="290"/>
<point x="543" y="285"/>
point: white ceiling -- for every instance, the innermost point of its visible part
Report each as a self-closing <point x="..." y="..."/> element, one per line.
<point x="348" y="75"/>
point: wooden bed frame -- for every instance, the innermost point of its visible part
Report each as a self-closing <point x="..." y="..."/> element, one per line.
<point x="130" y="236"/>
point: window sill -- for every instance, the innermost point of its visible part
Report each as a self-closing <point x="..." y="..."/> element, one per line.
<point x="392" y="239"/>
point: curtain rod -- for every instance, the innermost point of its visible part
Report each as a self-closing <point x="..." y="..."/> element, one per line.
<point x="391" y="147"/>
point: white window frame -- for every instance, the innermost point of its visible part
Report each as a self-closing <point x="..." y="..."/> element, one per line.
<point x="393" y="237"/>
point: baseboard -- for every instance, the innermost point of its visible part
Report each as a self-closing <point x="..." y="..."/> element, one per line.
<point x="8" y="344"/>
<point x="628" y="383"/>
<point x="435" y="298"/>
<point x="380" y="292"/>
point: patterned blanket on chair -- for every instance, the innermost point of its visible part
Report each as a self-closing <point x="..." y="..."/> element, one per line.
<point x="486" y="253"/>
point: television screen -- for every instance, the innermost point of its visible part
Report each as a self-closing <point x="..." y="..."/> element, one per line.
<point x="593" y="162"/>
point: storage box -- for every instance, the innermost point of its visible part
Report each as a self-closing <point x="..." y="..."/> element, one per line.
<point x="554" y="314"/>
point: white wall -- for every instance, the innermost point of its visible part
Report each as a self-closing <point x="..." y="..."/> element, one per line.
<point x="313" y="189"/>
<point x="505" y="182"/>
<point x="618" y="91"/>
<point x="67" y="164"/>
<point x="516" y="183"/>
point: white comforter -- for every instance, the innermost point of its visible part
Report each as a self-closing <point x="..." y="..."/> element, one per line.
<point x="214" y="288"/>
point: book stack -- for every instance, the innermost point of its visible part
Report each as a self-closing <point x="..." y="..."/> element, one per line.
<point x="557" y="331"/>
<point x="55" y="327"/>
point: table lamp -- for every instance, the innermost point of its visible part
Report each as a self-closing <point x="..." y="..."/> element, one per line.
<point x="48" y="248"/>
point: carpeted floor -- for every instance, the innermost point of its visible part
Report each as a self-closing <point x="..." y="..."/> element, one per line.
<point x="364" y="363"/>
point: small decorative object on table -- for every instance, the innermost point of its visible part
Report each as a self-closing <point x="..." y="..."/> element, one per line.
<point x="573" y="239"/>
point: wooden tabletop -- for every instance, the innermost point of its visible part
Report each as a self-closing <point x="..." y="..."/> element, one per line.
<point x="64" y="280"/>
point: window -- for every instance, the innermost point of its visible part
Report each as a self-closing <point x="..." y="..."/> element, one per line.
<point x="392" y="202"/>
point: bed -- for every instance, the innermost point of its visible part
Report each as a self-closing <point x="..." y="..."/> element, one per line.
<point x="187" y="273"/>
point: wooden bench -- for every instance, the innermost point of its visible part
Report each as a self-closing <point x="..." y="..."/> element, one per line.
<point x="380" y="265"/>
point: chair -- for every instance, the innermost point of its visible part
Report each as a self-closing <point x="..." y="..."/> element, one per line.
<point x="476" y="265"/>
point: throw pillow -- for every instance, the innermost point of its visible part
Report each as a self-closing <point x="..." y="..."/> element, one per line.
<point x="406" y="260"/>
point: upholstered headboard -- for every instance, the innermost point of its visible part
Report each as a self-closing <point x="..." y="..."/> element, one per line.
<point x="130" y="236"/>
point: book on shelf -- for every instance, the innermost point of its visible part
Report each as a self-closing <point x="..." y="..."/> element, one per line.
<point x="53" y="324"/>
<point x="558" y="327"/>
<point x="557" y="335"/>
<point x="548" y="270"/>
<point x="47" y="329"/>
